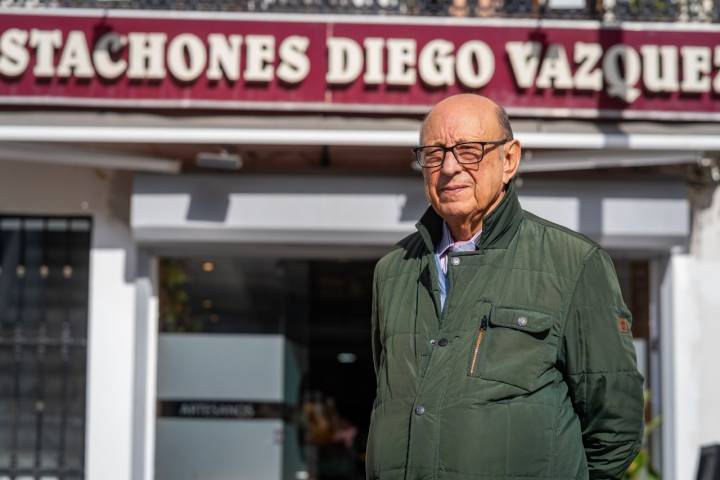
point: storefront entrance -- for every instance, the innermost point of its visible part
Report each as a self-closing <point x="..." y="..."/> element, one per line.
<point x="264" y="368"/>
<point x="263" y="358"/>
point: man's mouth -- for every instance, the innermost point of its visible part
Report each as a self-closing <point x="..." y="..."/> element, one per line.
<point x="452" y="188"/>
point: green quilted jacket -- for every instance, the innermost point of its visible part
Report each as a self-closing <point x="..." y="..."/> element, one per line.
<point x="528" y="372"/>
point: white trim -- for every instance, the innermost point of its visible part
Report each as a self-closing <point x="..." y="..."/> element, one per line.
<point x="617" y="141"/>
<point x="68" y="155"/>
<point x="594" y="113"/>
<point x="661" y="281"/>
<point x="110" y="353"/>
<point x="359" y="19"/>
<point x="152" y="308"/>
<point x="551" y="161"/>
<point x="377" y="138"/>
<point x="254" y="136"/>
<point x="286" y="106"/>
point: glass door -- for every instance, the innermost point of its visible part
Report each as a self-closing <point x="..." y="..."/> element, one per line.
<point x="231" y="359"/>
<point x="264" y="368"/>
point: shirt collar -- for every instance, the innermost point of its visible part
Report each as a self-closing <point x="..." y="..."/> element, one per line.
<point x="447" y="241"/>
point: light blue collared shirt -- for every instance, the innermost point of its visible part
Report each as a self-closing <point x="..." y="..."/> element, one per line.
<point x="448" y="244"/>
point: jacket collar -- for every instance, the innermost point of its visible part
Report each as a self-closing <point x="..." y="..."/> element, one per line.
<point x="498" y="227"/>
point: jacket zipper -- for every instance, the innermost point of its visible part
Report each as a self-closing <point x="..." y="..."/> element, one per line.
<point x="481" y="335"/>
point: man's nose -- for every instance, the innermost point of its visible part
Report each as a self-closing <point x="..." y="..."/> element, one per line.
<point x="450" y="165"/>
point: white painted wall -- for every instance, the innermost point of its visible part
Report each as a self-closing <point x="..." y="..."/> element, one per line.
<point x="47" y="189"/>
<point x="355" y="210"/>
<point x="696" y="332"/>
<point x="63" y="190"/>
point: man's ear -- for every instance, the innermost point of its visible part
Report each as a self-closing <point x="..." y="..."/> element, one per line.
<point x="511" y="159"/>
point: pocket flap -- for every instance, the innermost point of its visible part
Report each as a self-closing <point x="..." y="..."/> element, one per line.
<point x="524" y="320"/>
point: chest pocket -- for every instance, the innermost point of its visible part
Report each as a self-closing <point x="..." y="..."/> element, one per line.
<point x="512" y="346"/>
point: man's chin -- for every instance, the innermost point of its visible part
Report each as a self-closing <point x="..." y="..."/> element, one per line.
<point x="452" y="210"/>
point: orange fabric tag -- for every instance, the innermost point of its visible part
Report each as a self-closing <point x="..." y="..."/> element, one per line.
<point x="623" y="325"/>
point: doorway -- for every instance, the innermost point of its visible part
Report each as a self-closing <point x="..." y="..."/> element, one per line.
<point x="275" y="353"/>
<point x="264" y="368"/>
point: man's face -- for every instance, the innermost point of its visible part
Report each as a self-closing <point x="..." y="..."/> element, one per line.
<point x="461" y="191"/>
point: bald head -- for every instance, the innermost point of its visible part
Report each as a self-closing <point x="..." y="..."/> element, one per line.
<point x="471" y="179"/>
<point x="492" y="116"/>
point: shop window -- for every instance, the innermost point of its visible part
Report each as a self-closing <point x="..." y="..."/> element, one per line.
<point x="321" y="312"/>
<point x="223" y="295"/>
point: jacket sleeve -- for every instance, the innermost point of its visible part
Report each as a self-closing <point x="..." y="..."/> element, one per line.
<point x="601" y="371"/>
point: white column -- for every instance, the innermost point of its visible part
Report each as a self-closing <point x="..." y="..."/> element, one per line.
<point x="662" y="369"/>
<point x="609" y="11"/>
<point x="110" y="375"/>
<point x="705" y="8"/>
<point x="146" y="343"/>
<point x="696" y="332"/>
<point x="684" y="11"/>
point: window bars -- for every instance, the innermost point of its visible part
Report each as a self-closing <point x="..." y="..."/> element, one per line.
<point x="43" y="331"/>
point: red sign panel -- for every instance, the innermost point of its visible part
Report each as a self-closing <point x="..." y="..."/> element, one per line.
<point x="138" y="59"/>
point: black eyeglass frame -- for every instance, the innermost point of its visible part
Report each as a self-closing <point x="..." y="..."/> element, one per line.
<point x="451" y="149"/>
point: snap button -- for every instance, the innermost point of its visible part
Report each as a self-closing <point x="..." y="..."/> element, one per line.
<point x="455" y="261"/>
<point x="419" y="410"/>
<point x="432" y="341"/>
<point x="442" y="342"/>
<point x="522" y="321"/>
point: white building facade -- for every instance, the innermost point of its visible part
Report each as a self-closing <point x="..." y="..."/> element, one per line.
<point x="266" y="171"/>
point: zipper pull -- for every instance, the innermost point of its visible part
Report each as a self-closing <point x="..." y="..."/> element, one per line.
<point x="478" y="341"/>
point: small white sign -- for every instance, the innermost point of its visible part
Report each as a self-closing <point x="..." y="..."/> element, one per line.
<point x="561" y="4"/>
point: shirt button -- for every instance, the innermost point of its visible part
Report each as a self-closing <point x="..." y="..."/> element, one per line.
<point x="455" y="261"/>
<point x="419" y="410"/>
<point x="442" y="342"/>
<point x="522" y="321"/>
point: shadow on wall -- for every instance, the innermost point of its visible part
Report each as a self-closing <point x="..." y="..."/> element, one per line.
<point x="210" y="196"/>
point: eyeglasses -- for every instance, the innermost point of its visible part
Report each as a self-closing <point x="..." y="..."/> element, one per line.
<point x="430" y="156"/>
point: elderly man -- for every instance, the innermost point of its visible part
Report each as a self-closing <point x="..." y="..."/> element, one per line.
<point x="501" y="343"/>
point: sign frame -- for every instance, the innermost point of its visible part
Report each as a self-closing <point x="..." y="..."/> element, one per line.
<point x="176" y="104"/>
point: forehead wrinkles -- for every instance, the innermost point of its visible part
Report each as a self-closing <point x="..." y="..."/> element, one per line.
<point x="453" y="129"/>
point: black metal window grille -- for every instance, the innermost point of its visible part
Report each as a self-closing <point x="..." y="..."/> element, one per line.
<point x="44" y="283"/>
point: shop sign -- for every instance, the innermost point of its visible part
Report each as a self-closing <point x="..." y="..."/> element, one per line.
<point x="223" y="409"/>
<point x="139" y="59"/>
